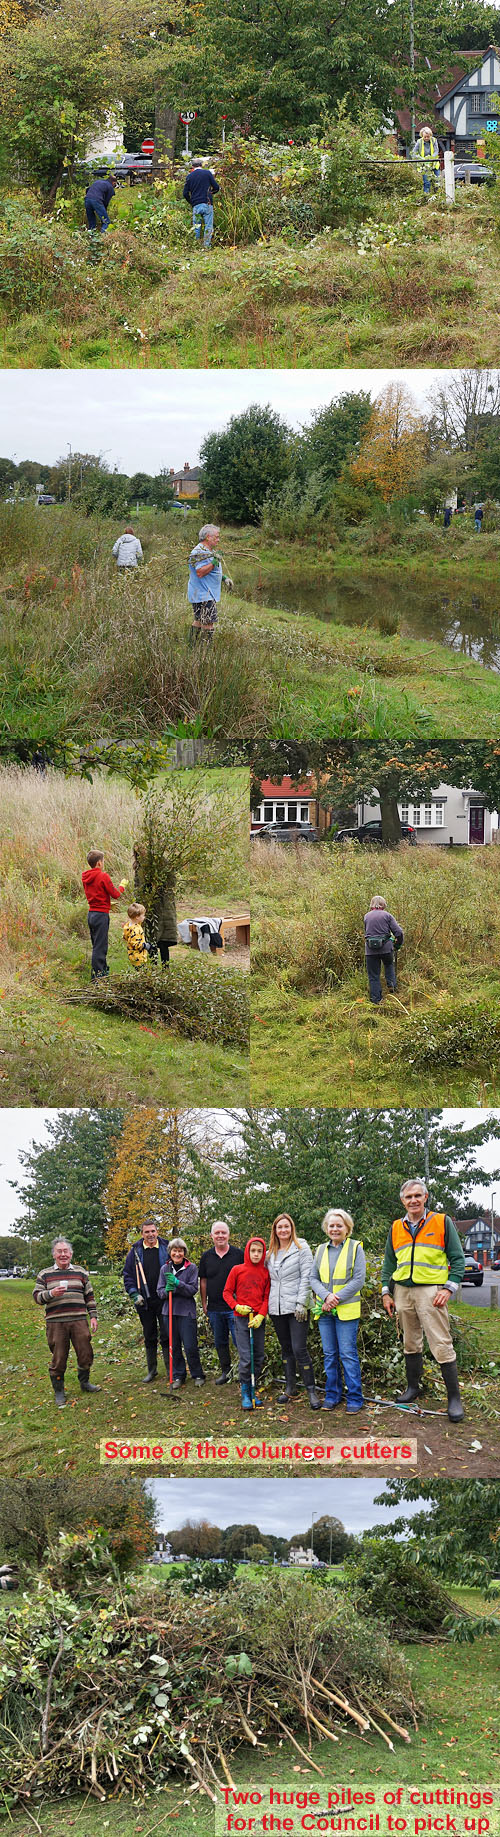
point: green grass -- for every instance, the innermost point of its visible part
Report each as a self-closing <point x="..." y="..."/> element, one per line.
<point x="36" y="1438"/>
<point x="86" y="655"/>
<point x="429" y="298"/>
<point x="457" y="1742"/>
<point x="53" y="1050"/>
<point x="313" y="1027"/>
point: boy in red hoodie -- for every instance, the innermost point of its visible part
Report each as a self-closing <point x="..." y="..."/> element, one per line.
<point x="100" y="891"/>
<point x="247" y="1292"/>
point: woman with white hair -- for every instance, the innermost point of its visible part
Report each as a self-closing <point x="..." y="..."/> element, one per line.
<point x="336" y="1280"/>
<point x="383" y="937"/>
<point x="206" y="575"/>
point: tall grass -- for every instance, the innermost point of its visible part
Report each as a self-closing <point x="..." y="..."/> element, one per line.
<point x="310" y="904"/>
<point x="48" y="824"/>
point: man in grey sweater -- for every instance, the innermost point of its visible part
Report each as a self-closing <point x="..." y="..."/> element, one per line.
<point x="383" y="938"/>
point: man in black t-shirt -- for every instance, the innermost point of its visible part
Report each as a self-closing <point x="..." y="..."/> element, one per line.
<point x="140" y="1276"/>
<point x="214" y="1267"/>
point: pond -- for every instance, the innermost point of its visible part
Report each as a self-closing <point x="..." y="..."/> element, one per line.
<point x="454" y="616"/>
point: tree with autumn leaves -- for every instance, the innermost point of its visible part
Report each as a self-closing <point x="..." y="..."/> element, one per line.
<point x="147" y="1175"/>
<point x="392" y="447"/>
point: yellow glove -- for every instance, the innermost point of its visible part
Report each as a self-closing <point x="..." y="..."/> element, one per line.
<point x="242" y="1310"/>
<point x="256" y="1320"/>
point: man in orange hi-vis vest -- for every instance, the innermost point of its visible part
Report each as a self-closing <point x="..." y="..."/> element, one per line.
<point x="424" y="1264"/>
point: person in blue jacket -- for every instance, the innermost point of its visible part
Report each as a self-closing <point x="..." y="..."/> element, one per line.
<point x="199" y="190"/>
<point x="179" y="1278"/>
<point x="141" y="1276"/>
<point x="97" y="197"/>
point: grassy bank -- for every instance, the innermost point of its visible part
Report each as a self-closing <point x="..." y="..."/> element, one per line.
<point x="419" y="288"/>
<point x="54" y="1050"/>
<point x="313" y="1027"/>
<point x="82" y="651"/>
<point x="37" y="1439"/>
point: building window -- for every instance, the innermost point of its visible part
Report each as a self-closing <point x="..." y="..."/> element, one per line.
<point x="493" y="103"/>
<point x="439" y="816"/>
<point x="427" y="816"/>
<point x="405" y="813"/>
<point x="476" y="103"/>
<point x="304" y="813"/>
<point x="292" y="813"/>
<point x="416" y="815"/>
<point x="279" y="813"/>
<point x="268" y="813"/>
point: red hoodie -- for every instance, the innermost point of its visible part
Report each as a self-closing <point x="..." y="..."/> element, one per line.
<point x="249" y="1283"/>
<point x="99" y="889"/>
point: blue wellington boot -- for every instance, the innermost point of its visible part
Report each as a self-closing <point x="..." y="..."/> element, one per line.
<point x="246" y="1396"/>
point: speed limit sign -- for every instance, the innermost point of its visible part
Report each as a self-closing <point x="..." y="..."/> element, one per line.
<point x="187" y="115"/>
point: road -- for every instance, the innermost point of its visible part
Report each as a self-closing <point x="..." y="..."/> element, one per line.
<point x="480" y="1297"/>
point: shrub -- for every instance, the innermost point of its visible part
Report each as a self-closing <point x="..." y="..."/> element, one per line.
<point x="470" y="1037"/>
<point x="194" y="999"/>
<point x="390" y="1584"/>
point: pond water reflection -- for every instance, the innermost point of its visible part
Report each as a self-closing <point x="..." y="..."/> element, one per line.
<point x="453" y="616"/>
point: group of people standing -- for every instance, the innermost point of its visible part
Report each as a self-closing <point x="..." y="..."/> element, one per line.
<point x="284" y="1282"/>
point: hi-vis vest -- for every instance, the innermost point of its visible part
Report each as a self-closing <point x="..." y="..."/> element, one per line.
<point x="346" y="1310"/>
<point x="431" y="158"/>
<point x="421" y="1258"/>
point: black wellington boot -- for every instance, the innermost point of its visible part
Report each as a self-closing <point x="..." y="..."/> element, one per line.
<point x="455" y="1407"/>
<point x="290" y="1381"/>
<point x="414" y="1367"/>
<point x="152" y="1371"/>
<point x="59" y="1392"/>
<point x="85" y="1384"/>
<point x="314" y="1400"/>
<point x="224" y="1376"/>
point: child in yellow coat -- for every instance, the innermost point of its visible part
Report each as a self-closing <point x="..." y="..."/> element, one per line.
<point x="133" y="937"/>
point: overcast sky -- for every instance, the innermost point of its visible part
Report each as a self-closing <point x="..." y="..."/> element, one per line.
<point x="283" y="1506"/>
<point x="142" y="420"/>
<point x="20" y="1128"/>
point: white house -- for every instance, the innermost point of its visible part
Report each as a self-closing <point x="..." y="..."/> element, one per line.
<point x="445" y="815"/>
<point x="471" y="103"/>
<point x="304" y="1559"/>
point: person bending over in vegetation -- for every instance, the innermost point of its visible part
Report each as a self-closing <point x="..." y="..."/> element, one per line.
<point x="423" y="1266"/>
<point x="133" y="937"/>
<point x="143" y="1265"/>
<point x="179" y="1278"/>
<point x="161" y="911"/>
<point x="337" y="1278"/>
<point x="215" y="1265"/>
<point x="383" y="938"/>
<point x="289" y="1262"/>
<point x="247" y="1291"/>
<point x="127" y="550"/>
<point x="65" y="1291"/>
<point x="206" y="575"/>
<point x="98" y="195"/>
<point x="199" y="191"/>
<point x="99" y="891"/>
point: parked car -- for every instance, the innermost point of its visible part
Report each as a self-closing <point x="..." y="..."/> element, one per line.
<point x="372" y="832"/>
<point x="284" y="832"/>
<point x="478" y="173"/>
<point x="495" y="1263"/>
<point x="474" y="1272"/>
<point x="132" y="166"/>
<point x="45" y="498"/>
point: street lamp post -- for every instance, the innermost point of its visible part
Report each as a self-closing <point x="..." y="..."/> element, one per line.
<point x="492" y="1237"/>
<point x="313" y="1516"/>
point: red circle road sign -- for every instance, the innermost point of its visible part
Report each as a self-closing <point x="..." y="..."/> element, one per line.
<point x="147" y="146"/>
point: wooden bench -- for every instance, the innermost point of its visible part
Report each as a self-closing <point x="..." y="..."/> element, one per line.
<point x="240" y="924"/>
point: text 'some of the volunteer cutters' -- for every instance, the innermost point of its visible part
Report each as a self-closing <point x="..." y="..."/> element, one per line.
<point x="349" y="1811"/>
<point x="236" y="1453"/>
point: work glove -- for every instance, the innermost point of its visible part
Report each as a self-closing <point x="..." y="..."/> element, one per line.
<point x="240" y="1309"/>
<point x="301" y="1313"/>
<point x="139" y="1301"/>
<point x="256" y="1320"/>
<point x="123" y="884"/>
<point x="171" y="1282"/>
<point x="228" y="582"/>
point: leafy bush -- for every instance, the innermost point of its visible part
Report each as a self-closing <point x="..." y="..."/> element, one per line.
<point x="390" y="1584"/>
<point x="193" y="998"/>
<point x="33" y="260"/>
<point x="470" y="1037"/>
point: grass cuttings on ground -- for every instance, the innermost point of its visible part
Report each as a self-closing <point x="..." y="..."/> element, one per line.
<point x="416" y="284"/>
<point x="313" y="1026"/>
<point x="57" y="1046"/>
<point x="112" y="1689"/>
<point x="82" y="650"/>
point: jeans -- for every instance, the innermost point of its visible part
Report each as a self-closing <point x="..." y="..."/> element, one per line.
<point x="96" y="214"/>
<point x="292" y="1335"/>
<point x="152" y="1322"/>
<point x="373" y="969"/>
<point x="242" y="1333"/>
<point x="184" y="1340"/>
<point x="222" y="1325"/>
<point x="99" y="932"/>
<point x="429" y="180"/>
<point x="205" y="213"/>
<point x="338" y="1339"/>
<point x="478" y="524"/>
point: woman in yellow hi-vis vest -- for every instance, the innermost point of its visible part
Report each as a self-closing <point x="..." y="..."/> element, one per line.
<point x="424" y="1263"/>
<point x="426" y="154"/>
<point x="336" y="1280"/>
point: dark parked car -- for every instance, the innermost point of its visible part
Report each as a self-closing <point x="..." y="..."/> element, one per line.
<point x="474" y="1272"/>
<point x="45" y="498"/>
<point x="284" y="832"/>
<point x="478" y="173"/>
<point x="372" y="832"/>
<point x="133" y="166"/>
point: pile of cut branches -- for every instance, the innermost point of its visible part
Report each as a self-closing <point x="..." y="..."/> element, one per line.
<point x="194" y="999"/>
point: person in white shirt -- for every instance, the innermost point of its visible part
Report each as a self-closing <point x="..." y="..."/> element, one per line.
<point x="127" y="550"/>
